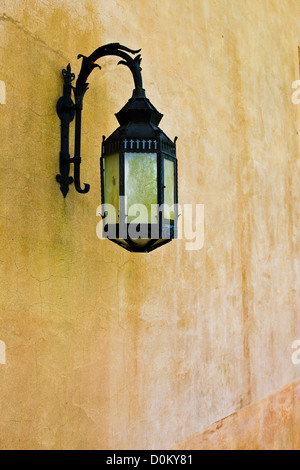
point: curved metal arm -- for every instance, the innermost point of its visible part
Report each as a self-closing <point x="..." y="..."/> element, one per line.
<point x="113" y="49"/>
<point x="66" y="108"/>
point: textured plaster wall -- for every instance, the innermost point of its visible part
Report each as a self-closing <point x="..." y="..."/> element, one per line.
<point x="270" y="424"/>
<point x="111" y="350"/>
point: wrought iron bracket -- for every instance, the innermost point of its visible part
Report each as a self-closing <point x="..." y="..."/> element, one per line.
<point x="67" y="109"/>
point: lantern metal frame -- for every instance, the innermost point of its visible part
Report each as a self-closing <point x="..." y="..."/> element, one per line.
<point x="165" y="229"/>
<point x="144" y="136"/>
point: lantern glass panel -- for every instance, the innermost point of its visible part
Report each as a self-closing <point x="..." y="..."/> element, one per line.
<point x="141" y="187"/>
<point x="111" y="187"/>
<point x="169" y="183"/>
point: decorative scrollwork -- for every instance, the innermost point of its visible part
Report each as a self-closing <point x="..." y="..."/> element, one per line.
<point x="116" y="49"/>
<point x="68" y="75"/>
<point x="66" y="109"/>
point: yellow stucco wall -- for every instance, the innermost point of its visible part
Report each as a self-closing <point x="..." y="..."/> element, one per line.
<point x="111" y="350"/>
<point x="270" y="424"/>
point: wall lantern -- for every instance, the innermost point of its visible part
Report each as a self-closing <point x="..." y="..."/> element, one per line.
<point x="138" y="163"/>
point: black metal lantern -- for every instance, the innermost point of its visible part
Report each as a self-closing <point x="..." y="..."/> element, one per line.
<point x="138" y="162"/>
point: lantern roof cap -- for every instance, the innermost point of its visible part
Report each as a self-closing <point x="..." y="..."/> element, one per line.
<point x="139" y="109"/>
